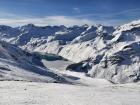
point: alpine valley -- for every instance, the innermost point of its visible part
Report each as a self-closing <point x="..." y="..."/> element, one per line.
<point x="90" y="62"/>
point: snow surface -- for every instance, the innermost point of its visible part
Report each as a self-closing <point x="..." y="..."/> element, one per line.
<point x="18" y="65"/>
<point x="32" y="93"/>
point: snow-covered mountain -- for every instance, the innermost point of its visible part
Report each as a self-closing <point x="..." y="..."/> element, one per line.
<point x="108" y="52"/>
<point x="18" y="65"/>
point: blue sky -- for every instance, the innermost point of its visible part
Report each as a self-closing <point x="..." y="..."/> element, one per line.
<point x="68" y="12"/>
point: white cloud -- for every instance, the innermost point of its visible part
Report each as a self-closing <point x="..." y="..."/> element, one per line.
<point x="105" y="19"/>
<point x="58" y="20"/>
<point x="49" y="20"/>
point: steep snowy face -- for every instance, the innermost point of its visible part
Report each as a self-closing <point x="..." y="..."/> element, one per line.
<point x="88" y="34"/>
<point x="18" y="65"/>
<point x="92" y="42"/>
<point x="8" y="33"/>
<point x="128" y="26"/>
<point x="53" y="39"/>
<point x="125" y="35"/>
<point x="30" y="37"/>
<point x="11" y="52"/>
<point x="70" y="33"/>
<point x="93" y="32"/>
<point x="121" y="66"/>
<point x="22" y="35"/>
<point x="128" y="32"/>
<point x="30" y="31"/>
<point x="53" y="43"/>
<point x="113" y="55"/>
<point x="120" y="63"/>
<point x="37" y="32"/>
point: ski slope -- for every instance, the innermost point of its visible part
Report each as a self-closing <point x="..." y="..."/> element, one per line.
<point x="33" y="93"/>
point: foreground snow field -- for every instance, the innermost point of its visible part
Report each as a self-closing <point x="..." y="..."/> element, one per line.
<point x="31" y="93"/>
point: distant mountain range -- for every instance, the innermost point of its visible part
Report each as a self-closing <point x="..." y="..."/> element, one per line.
<point x="106" y="52"/>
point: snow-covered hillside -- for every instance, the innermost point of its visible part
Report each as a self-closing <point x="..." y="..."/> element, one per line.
<point x="112" y="53"/>
<point x="114" y="56"/>
<point x="18" y="65"/>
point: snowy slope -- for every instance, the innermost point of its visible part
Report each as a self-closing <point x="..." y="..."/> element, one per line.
<point x="113" y="56"/>
<point x="120" y="63"/>
<point x="29" y="93"/>
<point x="89" y="44"/>
<point x="33" y="37"/>
<point x="18" y="65"/>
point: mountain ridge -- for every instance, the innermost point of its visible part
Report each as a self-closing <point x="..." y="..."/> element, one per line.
<point x="112" y="51"/>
